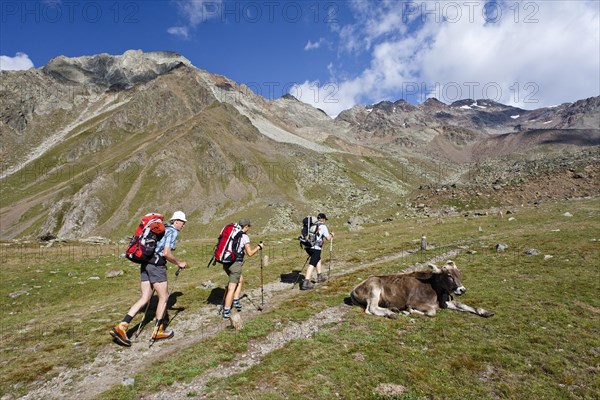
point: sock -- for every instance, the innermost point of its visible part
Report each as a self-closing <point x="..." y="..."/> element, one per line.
<point x="127" y="319"/>
<point x="236" y="302"/>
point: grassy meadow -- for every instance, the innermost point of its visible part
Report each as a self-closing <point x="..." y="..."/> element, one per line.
<point x="542" y="343"/>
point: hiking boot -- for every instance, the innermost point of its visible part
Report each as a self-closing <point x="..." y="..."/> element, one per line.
<point x="159" y="333"/>
<point x="237" y="305"/>
<point x="226" y="313"/>
<point x="306" y="285"/>
<point x="321" y="278"/>
<point x="119" y="332"/>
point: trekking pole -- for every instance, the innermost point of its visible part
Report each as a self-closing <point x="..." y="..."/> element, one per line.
<point x="245" y="296"/>
<point x="143" y="324"/>
<point x="298" y="277"/>
<point x="262" y="298"/>
<point x="330" y="251"/>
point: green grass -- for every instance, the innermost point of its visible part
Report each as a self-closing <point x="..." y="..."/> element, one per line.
<point x="542" y="342"/>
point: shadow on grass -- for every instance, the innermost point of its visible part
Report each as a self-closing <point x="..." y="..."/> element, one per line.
<point x="150" y="313"/>
<point x="216" y="296"/>
<point x="292" y="277"/>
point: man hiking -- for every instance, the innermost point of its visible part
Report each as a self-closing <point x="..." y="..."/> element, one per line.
<point x="153" y="276"/>
<point x="314" y="252"/>
<point x="234" y="270"/>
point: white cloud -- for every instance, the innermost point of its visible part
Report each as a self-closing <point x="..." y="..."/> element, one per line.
<point x="314" y="45"/>
<point x="181" y="31"/>
<point x="528" y="54"/>
<point x="196" y="12"/>
<point x="19" y="62"/>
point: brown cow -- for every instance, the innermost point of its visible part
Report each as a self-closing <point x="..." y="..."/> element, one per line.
<point x="420" y="292"/>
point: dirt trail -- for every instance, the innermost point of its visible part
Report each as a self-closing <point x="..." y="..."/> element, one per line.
<point x="114" y="364"/>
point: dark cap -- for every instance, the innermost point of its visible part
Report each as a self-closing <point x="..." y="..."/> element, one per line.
<point x="322" y="216"/>
<point x="244" y="222"/>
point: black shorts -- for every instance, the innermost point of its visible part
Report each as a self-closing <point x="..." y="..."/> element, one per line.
<point x="315" y="256"/>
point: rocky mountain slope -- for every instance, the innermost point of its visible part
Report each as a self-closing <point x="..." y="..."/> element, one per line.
<point x="91" y="143"/>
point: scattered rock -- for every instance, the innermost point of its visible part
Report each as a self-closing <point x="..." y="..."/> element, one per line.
<point x="511" y="219"/>
<point x="567" y="214"/>
<point x="128" y="381"/>
<point x="206" y="285"/>
<point x="236" y="321"/>
<point x="113" y="273"/>
<point x="547" y="257"/>
<point x="17" y="294"/>
<point x="94" y="278"/>
<point x="389" y="390"/>
<point x="265" y="261"/>
<point x="471" y="252"/>
<point x="532" y="252"/>
<point x="355" y="223"/>
<point x="500" y="247"/>
<point x="95" y="240"/>
<point x="46" y="237"/>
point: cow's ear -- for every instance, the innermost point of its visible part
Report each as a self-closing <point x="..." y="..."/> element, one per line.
<point x="451" y="263"/>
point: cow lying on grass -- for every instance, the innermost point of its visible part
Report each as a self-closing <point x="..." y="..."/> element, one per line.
<point x="420" y="292"/>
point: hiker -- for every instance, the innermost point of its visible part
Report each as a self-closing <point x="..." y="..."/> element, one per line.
<point x="154" y="277"/>
<point x="234" y="270"/>
<point x="314" y="252"/>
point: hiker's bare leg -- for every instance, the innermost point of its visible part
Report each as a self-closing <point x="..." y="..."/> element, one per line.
<point x="238" y="290"/>
<point x="319" y="267"/>
<point x="231" y="289"/>
<point x="309" y="272"/>
<point x="162" y="290"/>
<point x="145" y="298"/>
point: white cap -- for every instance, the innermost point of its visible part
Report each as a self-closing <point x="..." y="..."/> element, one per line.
<point x="178" y="215"/>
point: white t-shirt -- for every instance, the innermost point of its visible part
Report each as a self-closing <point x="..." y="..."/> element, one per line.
<point x="321" y="234"/>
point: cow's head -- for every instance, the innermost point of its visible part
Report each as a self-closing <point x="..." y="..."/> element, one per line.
<point x="450" y="279"/>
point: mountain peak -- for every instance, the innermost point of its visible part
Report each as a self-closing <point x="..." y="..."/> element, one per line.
<point x="115" y="71"/>
<point x="432" y="102"/>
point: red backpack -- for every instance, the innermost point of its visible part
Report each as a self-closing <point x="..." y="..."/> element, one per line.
<point x="227" y="244"/>
<point x="143" y="243"/>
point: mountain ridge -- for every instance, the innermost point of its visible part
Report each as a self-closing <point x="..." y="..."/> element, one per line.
<point x="84" y="140"/>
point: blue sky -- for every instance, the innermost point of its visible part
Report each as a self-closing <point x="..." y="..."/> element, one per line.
<point x="334" y="54"/>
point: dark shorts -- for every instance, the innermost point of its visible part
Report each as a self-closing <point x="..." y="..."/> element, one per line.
<point x="153" y="273"/>
<point x="233" y="271"/>
<point x="315" y="256"/>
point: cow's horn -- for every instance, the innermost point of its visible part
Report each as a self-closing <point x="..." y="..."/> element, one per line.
<point x="434" y="268"/>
